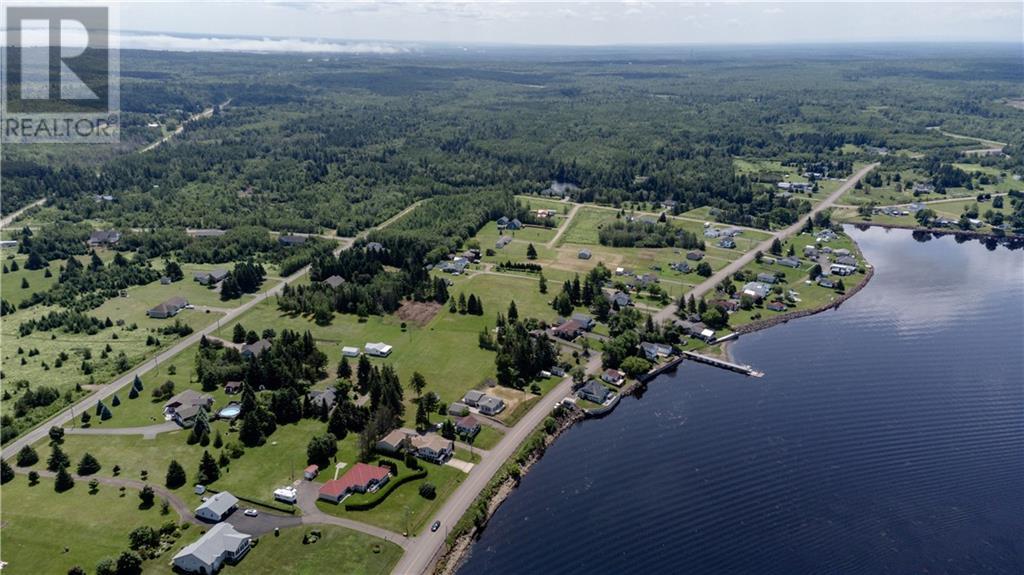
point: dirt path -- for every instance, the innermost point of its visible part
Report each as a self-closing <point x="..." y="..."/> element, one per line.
<point x="6" y="221"/>
<point x="565" y="226"/>
<point x="201" y="115"/>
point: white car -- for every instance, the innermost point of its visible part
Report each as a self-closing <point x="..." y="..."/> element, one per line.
<point x="251" y="513"/>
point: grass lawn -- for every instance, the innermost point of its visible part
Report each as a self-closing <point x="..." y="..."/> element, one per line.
<point x="464" y="455"/>
<point x="338" y="550"/>
<point x="538" y="203"/>
<point x="39" y="524"/>
<point x="404" y="506"/>
<point x="10" y="282"/>
<point x="487" y="438"/>
<point x="256" y="474"/>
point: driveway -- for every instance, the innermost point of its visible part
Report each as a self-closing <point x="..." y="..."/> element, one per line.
<point x="147" y="432"/>
<point x="263" y="523"/>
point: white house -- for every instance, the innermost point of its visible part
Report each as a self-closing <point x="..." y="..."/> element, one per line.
<point x="217" y="507"/>
<point x="349" y="351"/>
<point x="221" y="544"/>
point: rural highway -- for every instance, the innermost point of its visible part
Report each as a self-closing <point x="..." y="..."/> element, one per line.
<point x="422" y="552"/>
<point x="204" y="114"/>
<point x="669" y="311"/>
<point x="64" y="417"/>
<point x="6" y="221"/>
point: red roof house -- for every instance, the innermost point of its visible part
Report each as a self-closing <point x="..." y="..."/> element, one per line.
<point x="360" y="479"/>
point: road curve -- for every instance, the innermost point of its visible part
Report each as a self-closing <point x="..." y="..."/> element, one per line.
<point x="668" y="312"/>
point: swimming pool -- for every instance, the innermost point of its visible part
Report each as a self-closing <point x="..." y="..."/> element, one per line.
<point x="230" y="411"/>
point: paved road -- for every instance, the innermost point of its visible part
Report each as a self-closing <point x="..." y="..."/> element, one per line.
<point x="422" y="552"/>
<point x="709" y="284"/>
<point x="105" y="391"/>
<point x="204" y="114"/>
<point x="6" y="221"/>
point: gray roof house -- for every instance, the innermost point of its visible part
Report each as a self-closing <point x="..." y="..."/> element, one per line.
<point x="765" y="277"/>
<point x="502" y="221"/>
<point x="757" y="290"/>
<point x="847" y="261"/>
<point x="291" y="240"/>
<point x="169" y="308"/>
<point x="183" y="408"/>
<point x="489" y="405"/>
<point x="584" y="254"/>
<point x="594" y="391"/>
<point x="727" y="243"/>
<point x="221" y="544"/>
<point x="789" y="262"/>
<point x="502" y="242"/>
<point x="585" y="320"/>
<point x="328" y="396"/>
<point x="473" y="397"/>
<point x="694" y="256"/>
<point x="335" y="281"/>
<point x="374" y="247"/>
<point x="621" y="299"/>
<point x="251" y="350"/>
<point x="104" y="238"/>
<point x="217" y="507"/>
<point x="211" y="277"/>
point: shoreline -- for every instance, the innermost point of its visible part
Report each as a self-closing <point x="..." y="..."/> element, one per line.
<point x="937" y="231"/>
<point x="450" y="560"/>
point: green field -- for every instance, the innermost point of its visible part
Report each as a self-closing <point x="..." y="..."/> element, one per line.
<point x="48" y="532"/>
<point x="338" y="550"/>
<point x="404" y="510"/>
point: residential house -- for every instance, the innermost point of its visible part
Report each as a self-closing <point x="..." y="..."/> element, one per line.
<point x="842" y="270"/>
<point x="467" y="426"/>
<point x="846" y="261"/>
<point x="653" y="351"/>
<point x="361" y="478"/>
<point x="706" y="334"/>
<point x="767" y="278"/>
<point x="727" y="243"/>
<point x="693" y="328"/>
<point x="729" y="305"/>
<point x="255" y="349"/>
<point x="584" y="254"/>
<point x="232" y="387"/>
<point x="514" y="224"/>
<point x="432" y="447"/>
<point x="458" y="408"/>
<point x="217" y="507"/>
<point x="349" y="351"/>
<point x="826" y="235"/>
<point x="473" y="397"/>
<point x="289" y="240"/>
<point x="211" y="277"/>
<point x="221" y="544"/>
<point x="712" y="233"/>
<point x="841" y="252"/>
<point x="169" y="308"/>
<point x="584" y="320"/>
<point x="183" y="408"/>
<point x="681" y="267"/>
<point x="613" y="376"/>
<point x="621" y="299"/>
<point x="776" y="306"/>
<point x="923" y="188"/>
<point x="568" y="330"/>
<point x="375" y="247"/>
<point x="502" y="242"/>
<point x="490" y="405"/>
<point x="810" y="251"/>
<point x="104" y="238"/>
<point x="379" y="349"/>
<point x="502" y="222"/>
<point x="455" y="266"/>
<point x="594" y="391"/>
<point x="826" y="283"/>
<point x="394" y="441"/>
<point x="694" y="256"/>
<point x="323" y="396"/>
<point x="334" y="281"/>
<point x="790" y="262"/>
<point x="757" y="290"/>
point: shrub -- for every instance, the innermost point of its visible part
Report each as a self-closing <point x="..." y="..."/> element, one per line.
<point x="428" y="491"/>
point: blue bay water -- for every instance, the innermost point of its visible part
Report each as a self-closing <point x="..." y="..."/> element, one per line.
<point x="886" y="437"/>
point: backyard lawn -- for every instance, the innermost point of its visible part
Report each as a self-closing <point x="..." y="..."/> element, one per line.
<point x="49" y="532"/>
<point x="338" y="550"/>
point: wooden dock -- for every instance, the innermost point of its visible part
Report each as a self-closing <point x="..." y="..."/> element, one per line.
<point x="744" y="369"/>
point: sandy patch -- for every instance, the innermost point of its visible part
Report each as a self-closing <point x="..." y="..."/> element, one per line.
<point x="418" y="313"/>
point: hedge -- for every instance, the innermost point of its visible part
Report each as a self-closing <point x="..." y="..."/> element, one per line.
<point x="383" y="494"/>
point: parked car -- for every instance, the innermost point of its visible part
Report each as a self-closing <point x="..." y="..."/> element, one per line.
<point x="435" y="526"/>
<point x="251" y="512"/>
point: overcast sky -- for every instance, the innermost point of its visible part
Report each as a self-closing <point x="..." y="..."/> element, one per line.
<point x="370" y="26"/>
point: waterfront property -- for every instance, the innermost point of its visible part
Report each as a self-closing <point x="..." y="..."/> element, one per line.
<point x="467" y="426"/>
<point x="595" y="392"/>
<point x="217" y="507"/>
<point x="431" y="447"/>
<point x="221" y="544"/>
<point x="613" y="376"/>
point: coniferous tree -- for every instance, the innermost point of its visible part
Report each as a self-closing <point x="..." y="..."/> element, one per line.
<point x="208" y="470"/>
<point x="175" y="475"/>
<point x="63" y="481"/>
